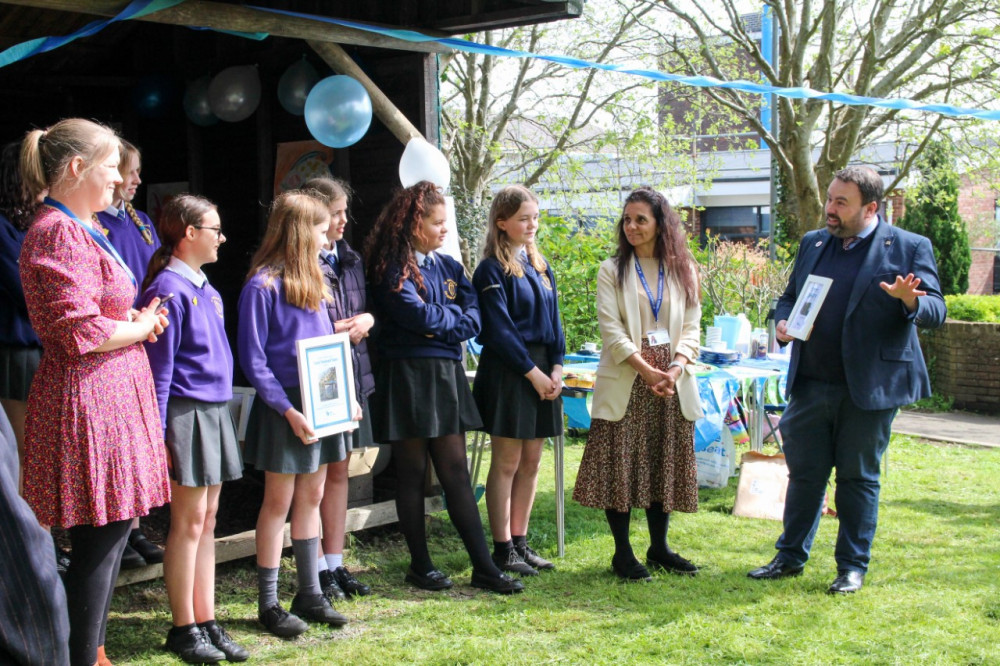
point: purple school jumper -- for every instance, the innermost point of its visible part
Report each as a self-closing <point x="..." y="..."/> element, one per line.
<point x="191" y="358"/>
<point x="268" y="328"/>
<point x="128" y="240"/>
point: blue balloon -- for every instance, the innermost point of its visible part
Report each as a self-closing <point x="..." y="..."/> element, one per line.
<point x="153" y="95"/>
<point x="338" y="111"/>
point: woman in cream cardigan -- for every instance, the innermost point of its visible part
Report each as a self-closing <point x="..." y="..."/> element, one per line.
<point x="640" y="451"/>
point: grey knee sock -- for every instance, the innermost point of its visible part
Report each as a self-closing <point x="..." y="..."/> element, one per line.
<point x="305" y="563"/>
<point x="267" y="588"/>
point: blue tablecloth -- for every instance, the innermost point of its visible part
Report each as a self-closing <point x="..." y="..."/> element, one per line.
<point x="718" y="390"/>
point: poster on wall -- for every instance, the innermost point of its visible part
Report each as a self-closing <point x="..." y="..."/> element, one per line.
<point x="158" y="194"/>
<point x="298" y="161"/>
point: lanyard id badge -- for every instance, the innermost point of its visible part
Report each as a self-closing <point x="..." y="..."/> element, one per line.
<point x="658" y="337"/>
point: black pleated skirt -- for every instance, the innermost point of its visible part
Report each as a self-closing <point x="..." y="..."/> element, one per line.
<point x="17" y="369"/>
<point x="421" y="398"/>
<point x="201" y="438"/>
<point x="271" y="446"/>
<point x="509" y="404"/>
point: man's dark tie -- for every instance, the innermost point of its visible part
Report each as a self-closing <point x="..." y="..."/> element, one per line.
<point x="849" y="242"/>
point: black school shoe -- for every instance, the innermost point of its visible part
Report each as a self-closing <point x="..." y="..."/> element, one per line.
<point x="532" y="558"/>
<point x="511" y="561"/>
<point x="131" y="559"/>
<point x="501" y="584"/>
<point x="223" y="641"/>
<point x="331" y="589"/>
<point x="350" y="585"/>
<point x="671" y="562"/>
<point x="149" y="551"/>
<point x="316" y="608"/>
<point x="433" y="580"/>
<point x="631" y="571"/>
<point x="281" y="623"/>
<point x="193" y="645"/>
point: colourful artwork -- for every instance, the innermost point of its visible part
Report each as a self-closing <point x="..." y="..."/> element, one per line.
<point x="298" y="161"/>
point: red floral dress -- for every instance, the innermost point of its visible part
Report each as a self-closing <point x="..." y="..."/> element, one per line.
<point x="94" y="450"/>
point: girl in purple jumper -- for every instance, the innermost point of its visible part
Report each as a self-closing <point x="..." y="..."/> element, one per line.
<point x="284" y="300"/>
<point x="193" y="372"/>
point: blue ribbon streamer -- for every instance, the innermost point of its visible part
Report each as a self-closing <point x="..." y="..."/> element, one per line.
<point x="140" y="8"/>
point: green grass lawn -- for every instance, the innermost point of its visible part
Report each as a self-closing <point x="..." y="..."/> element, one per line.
<point x="931" y="596"/>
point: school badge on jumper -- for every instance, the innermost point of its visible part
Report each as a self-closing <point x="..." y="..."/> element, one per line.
<point x="545" y="281"/>
<point x="450" y="289"/>
<point x="217" y="302"/>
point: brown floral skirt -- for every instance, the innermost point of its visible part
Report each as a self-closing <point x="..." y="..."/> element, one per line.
<point x="646" y="457"/>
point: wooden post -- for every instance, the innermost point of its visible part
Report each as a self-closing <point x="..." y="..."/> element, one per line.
<point x="338" y="59"/>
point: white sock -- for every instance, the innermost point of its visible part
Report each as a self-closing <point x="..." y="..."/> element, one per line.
<point x="321" y="563"/>
<point x="334" y="560"/>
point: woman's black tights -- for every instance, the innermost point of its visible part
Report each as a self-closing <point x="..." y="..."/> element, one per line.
<point x="658" y="522"/>
<point x="452" y="467"/>
<point x="90" y="581"/>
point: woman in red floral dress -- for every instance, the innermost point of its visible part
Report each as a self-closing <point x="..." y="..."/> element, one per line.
<point x="94" y="450"/>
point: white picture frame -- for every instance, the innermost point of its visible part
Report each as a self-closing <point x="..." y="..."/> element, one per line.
<point x="807" y="305"/>
<point x="326" y="379"/>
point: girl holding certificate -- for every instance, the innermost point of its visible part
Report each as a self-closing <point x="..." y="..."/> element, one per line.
<point x="422" y="404"/>
<point x="284" y="300"/>
<point x="193" y="372"/>
<point x="519" y="379"/>
<point x="640" y="450"/>
<point x="344" y="274"/>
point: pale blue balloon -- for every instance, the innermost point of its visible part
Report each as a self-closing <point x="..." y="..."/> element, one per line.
<point x="338" y="111"/>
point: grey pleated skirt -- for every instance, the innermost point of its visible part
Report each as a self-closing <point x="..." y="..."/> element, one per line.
<point x="509" y="404"/>
<point x="361" y="436"/>
<point x="201" y="438"/>
<point x="421" y="398"/>
<point x="17" y="369"/>
<point x="271" y="446"/>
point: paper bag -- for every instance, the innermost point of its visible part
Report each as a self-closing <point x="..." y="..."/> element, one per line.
<point x="762" y="486"/>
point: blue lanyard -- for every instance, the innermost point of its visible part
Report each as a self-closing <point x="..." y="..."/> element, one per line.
<point x="98" y="237"/>
<point x="655" y="307"/>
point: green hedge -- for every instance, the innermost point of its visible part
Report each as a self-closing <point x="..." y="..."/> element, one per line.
<point x="969" y="307"/>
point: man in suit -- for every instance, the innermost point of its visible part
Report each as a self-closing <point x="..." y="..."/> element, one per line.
<point x="34" y="626"/>
<point x="861" y="362"/>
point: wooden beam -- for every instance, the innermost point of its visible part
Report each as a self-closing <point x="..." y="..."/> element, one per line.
<point x="338" y="60"/>
<point x="220" y="16"/>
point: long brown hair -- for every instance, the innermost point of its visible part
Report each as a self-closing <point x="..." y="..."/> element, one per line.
<point x="129" y="153"/>
<point x="181" y="212"/>
<point x="670" y="247"/>
<point x="505" y="205"/>
<point x="391" y="241"/>
<point x="46" y="154"/>
<point x="330" y="188"/>
<point x="289" y="249"/>
<point x="15" y="204"/>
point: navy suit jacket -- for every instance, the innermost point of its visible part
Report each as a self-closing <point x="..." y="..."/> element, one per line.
<point x="882" y="359"/>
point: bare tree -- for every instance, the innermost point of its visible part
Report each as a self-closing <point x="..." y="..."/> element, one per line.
<point x="925" y="50"/>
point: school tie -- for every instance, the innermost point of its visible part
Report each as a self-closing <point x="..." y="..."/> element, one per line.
<point x="848" y="243"/>
<point x="121" y="215"/>
<point x="427" y="263"/>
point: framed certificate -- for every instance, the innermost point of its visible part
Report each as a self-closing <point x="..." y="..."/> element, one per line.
<point x="326" y="378"/>
<point x="810" y="300"/>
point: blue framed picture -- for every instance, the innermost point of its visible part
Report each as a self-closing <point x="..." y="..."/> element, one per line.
<point x="326" y="379"/>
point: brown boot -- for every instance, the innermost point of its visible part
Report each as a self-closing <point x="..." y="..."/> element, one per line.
<point x="102" y="659"/>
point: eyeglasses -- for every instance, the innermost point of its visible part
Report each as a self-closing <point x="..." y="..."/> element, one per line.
<point x="217" y="230"/>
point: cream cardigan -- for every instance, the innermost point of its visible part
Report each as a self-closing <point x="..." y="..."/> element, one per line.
<point x="620" y="324"/>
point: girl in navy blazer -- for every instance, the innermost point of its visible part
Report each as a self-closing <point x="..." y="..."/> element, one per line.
<point x="426" y="309"/>
<point x="519" y="379"/>
<point x="193" y="373"/>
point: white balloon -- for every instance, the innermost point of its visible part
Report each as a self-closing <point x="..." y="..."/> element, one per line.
<point x="234" y="93"/>
<point x="422" y="161"/>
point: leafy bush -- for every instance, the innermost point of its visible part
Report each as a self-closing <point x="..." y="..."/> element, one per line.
<point x="736" y="277"/>
<point x="575" y="255"/>
<point x="968" y="307"/>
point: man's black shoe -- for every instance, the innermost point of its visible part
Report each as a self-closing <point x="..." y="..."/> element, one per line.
<point x="317" y="608"/>
<point x="433" y="580"/>
<point x="193" y="645"/>
<point x="223" y="641"/>
<point x="775" y="569"/>
<point x="281" y="623"/>
<point x="501" y="584"/>
<point x="846" y="582"/>
<point x="331" y="589"/>
<point x="150" y="552"/>
<point x="349" y="584"/>
<point x="131" y="559"/>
